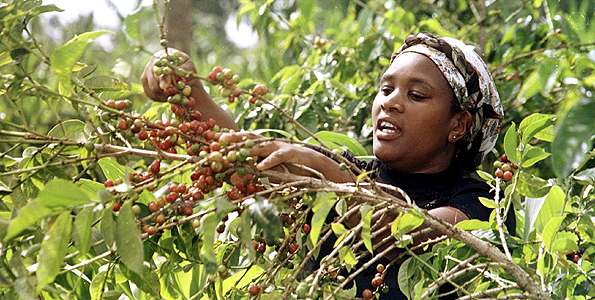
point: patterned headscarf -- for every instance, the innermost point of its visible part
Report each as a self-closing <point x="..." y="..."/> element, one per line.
<point x="470" y="81"/>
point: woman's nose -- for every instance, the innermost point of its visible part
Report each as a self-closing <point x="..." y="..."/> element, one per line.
<point x="393" y="101"/>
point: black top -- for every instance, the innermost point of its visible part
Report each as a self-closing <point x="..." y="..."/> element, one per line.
<point x="444" y="189"/>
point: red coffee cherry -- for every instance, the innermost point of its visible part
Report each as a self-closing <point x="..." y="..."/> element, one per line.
<point x="367" y="294"/>
<point x="507" y="176"/>
<point x="116" y="207"/>
<point x="254" y="290"/>
<point x="377" y="281"/>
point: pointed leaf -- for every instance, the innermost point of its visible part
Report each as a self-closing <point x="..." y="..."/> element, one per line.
<point x="128" y="241"/>
<point x="82" y="229"/>
<point x="148" y="282"/>
<point x="367" y="212"/>
<point x="53" y="250"/>
<point x="322" y="206"/>
<point x="28" y="215"/>
<point x="108" y="226"/>
<point x="535" y="123"/>
<point x="407" y="222"/>
<point x="511" y="144"/>
<point x="62" y="193"/>
<point x="65" y="57"/>
<point x="207" y="252"/>
<point x="552" y="207"/>
<point x="97" y="285"/>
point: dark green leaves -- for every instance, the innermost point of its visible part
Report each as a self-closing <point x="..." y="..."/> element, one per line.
<point x="266" y="216"/>
<point x="62" y="193"/>
<point x="53" y="249"/>
<point x="573" y="139"/>
<point x="128" y="241"/>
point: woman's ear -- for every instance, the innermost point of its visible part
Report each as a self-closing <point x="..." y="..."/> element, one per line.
<point x="462" y="124"/>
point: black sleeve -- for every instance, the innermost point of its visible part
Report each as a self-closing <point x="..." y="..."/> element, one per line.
<point x="466" y="199"/>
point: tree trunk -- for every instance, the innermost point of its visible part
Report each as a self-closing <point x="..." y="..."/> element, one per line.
<point x="178" y="24"/>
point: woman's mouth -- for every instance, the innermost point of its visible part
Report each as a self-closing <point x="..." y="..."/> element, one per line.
<point x="387" y="130"/>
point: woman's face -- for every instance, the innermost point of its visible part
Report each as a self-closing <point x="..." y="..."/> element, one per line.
<point x="412" y="116"/>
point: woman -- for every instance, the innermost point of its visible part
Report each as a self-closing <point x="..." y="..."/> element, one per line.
<point x="437" y="111"/>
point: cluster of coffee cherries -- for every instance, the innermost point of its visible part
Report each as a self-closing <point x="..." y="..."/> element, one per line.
<point x="504" y="168"/>
<point x="227" y="79"/>
<point x="575" y="256"/>
<point x="377" y="282"/>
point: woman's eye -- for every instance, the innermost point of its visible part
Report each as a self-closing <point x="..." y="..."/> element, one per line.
<point x="416" y="96"/>
<point x="386" y="91"/>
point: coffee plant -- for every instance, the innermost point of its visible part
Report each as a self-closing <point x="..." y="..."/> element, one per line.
<point x="106" y="195"/>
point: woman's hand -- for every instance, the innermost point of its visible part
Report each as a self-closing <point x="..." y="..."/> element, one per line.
<point x="274" y="153"/>
<point x="155" y="85"/>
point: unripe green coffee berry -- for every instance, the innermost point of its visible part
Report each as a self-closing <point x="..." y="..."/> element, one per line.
<point x="90" y="146"/>
<point x="249" y="144"/>
<point x="167" y="70"/>
<point x="241" y="171"/>
<point x="245" y="152"/>
<point x="158" y="71"/>
<point x="342" y="167"/>
<point x="163" y="43"/>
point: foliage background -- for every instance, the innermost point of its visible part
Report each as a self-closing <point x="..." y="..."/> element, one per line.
<point x="540" y="52"/>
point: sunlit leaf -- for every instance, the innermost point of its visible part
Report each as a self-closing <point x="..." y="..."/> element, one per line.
<point x="53" y="249"/>
<point x="65" y="57"/>
<point x="62" y="193"/>
<point x="322" y="206"/>
<point x="511" y="144"/>
<point x="366" y="212"/>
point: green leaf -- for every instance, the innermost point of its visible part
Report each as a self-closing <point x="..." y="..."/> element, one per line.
<point x="105" y="83"/>
<point x="342" y="140"/>
<point x="97" y="284"/>
<point x="53" y="250"/>
<point x="5" y="58"/>
<point x="266" y="216"/>
<point x="322" y="206"/>
<point x="489" y="203"/>
<point x="65" y="57"/>
<point x="62" y="193"/>
<point x="28" y="215"/>
<point x="407" y="222"/>
<point x="111" y="168"/>
<point x="534" y="155"/>
<point x="473" y="224"/>
<point x="81" y="234"/>
<point x="306" y="7"/>
<point x="87" y="70"/>
<point x="366" y="212"/>
<point x="128" y="241"/>
<point x="573" y="136"/>
<point x="207" y="252"/>
<point x="132" y="24"/>
<point x="485" y="175"/>
<point x="245" y="232"/>
<point x="338" y="228"/>
<point x="550" y="231"/>
<point x="108" y="226"/>
<point x="511" y="144"/>
<point x="534" y="124"/>
<point x="147" y="282"/>
<point x="74" y="129"/>
<point x="530" y="185"/>
<point x="552" y="207"/>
